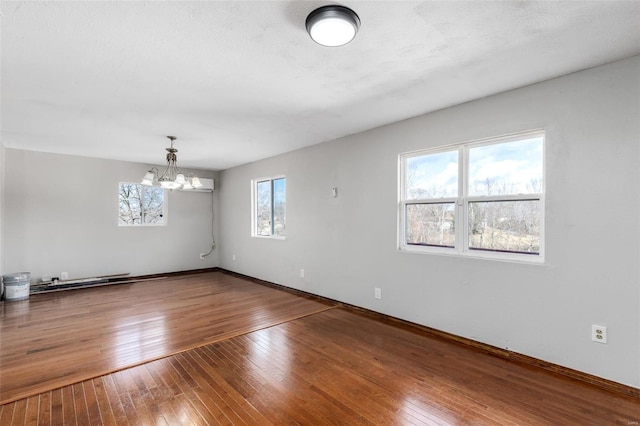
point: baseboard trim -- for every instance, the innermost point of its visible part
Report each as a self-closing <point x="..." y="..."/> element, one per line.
<point x="599" y="382"/>
<point x="178" y="273"/>
<point x="118" y="280"/>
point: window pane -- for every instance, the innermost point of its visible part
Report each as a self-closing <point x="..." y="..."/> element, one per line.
<point x="140" y="205"/>
<point x="505" y="226"/>
<point x="279" y="206"/>
<point x="431" y="224"/>
<point x="432" y="176"/>
<point x="506" y="168"/>
<point x="263" y="208"/>
<point x="153" y="200"/>
<point x="130" y="204"/>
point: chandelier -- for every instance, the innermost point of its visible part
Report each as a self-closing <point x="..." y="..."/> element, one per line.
<point x="171" y="177"/>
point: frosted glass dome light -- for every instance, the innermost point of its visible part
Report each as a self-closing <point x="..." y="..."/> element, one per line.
<point x="332" y="25"/>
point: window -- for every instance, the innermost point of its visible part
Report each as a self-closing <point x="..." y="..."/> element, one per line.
<point x="269" y="207"/>
<point x="141" y="205"/>
<point x="483" y="199"/>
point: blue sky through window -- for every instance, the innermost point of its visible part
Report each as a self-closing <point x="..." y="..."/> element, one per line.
<point x="432" y="176"/>
<point x="279" y="190"/>
<point x="506" y="168"/>
<point x="501" y="168"/>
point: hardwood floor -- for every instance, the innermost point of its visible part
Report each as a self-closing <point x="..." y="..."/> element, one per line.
<point x="333" y="366"/>
<point x="52" y="340"/>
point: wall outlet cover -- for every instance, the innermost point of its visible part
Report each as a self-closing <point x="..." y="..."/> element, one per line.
<point x="599" y="333"/>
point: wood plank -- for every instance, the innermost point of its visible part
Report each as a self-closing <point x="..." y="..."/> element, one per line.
<point x="57" y="417"/>
<point x="6" y="414"/>
<point x="44" y="409"/>
<point x="68" y="407"/>
<point x="33" y="405"/>
<point x="19" y="412"/>
<point x="93" y="408"/>
<point x="80" y="404"/>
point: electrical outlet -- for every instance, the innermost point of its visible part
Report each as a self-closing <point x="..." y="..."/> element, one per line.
<point x="377" y="293"/>
<point x="233" y="257"/>
<point x="599" y="333"/>
<point x="64" y="276"/>
<point x="301" y="273"/>
<point x="202" y="255"/>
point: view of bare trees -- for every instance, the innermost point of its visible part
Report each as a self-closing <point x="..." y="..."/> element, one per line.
<point x="263" y="208"/>
<point x="431" y="224"/>
<point x="510" y="226"/>
<point x="140" y="204"/>
<point x="271" y="207"/>
<point x="505" y="225"/>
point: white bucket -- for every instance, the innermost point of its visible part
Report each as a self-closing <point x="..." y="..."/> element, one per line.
<point x="16" y="286"/>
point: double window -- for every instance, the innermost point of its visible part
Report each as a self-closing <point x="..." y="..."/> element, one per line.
<point x="141" y="205"/>
<point x="268" y="199"/>
<point x="483" y="199"/>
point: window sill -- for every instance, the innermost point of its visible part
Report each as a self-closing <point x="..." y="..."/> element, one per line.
<point x="147" y="225"/>
<point x="269" y="237"/>
<point x="472" y="254"/>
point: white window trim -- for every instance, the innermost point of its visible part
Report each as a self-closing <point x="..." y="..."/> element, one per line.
<point x="254" y="230"/>
<point x="165" y="209"/>
<point x="462" y="202"/>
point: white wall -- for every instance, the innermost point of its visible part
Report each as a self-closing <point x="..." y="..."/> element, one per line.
<point x="1" y="211"/>
<point x="61" y="214"/>
<point x="347" y="245"/>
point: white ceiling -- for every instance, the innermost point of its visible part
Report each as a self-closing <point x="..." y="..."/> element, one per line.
<point x="238" y="81"/>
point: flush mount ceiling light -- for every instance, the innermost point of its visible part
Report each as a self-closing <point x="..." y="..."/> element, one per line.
<point x="171" y="177"/>
<point x="332" y="25"/>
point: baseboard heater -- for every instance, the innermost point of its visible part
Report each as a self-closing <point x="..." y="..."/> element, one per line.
<point x="58" y="285"/>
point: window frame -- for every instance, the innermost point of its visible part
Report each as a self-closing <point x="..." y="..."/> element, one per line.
<point x="165" y="202"/>
<point x="254" y="206"/>
<point x="463" y="199"/>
